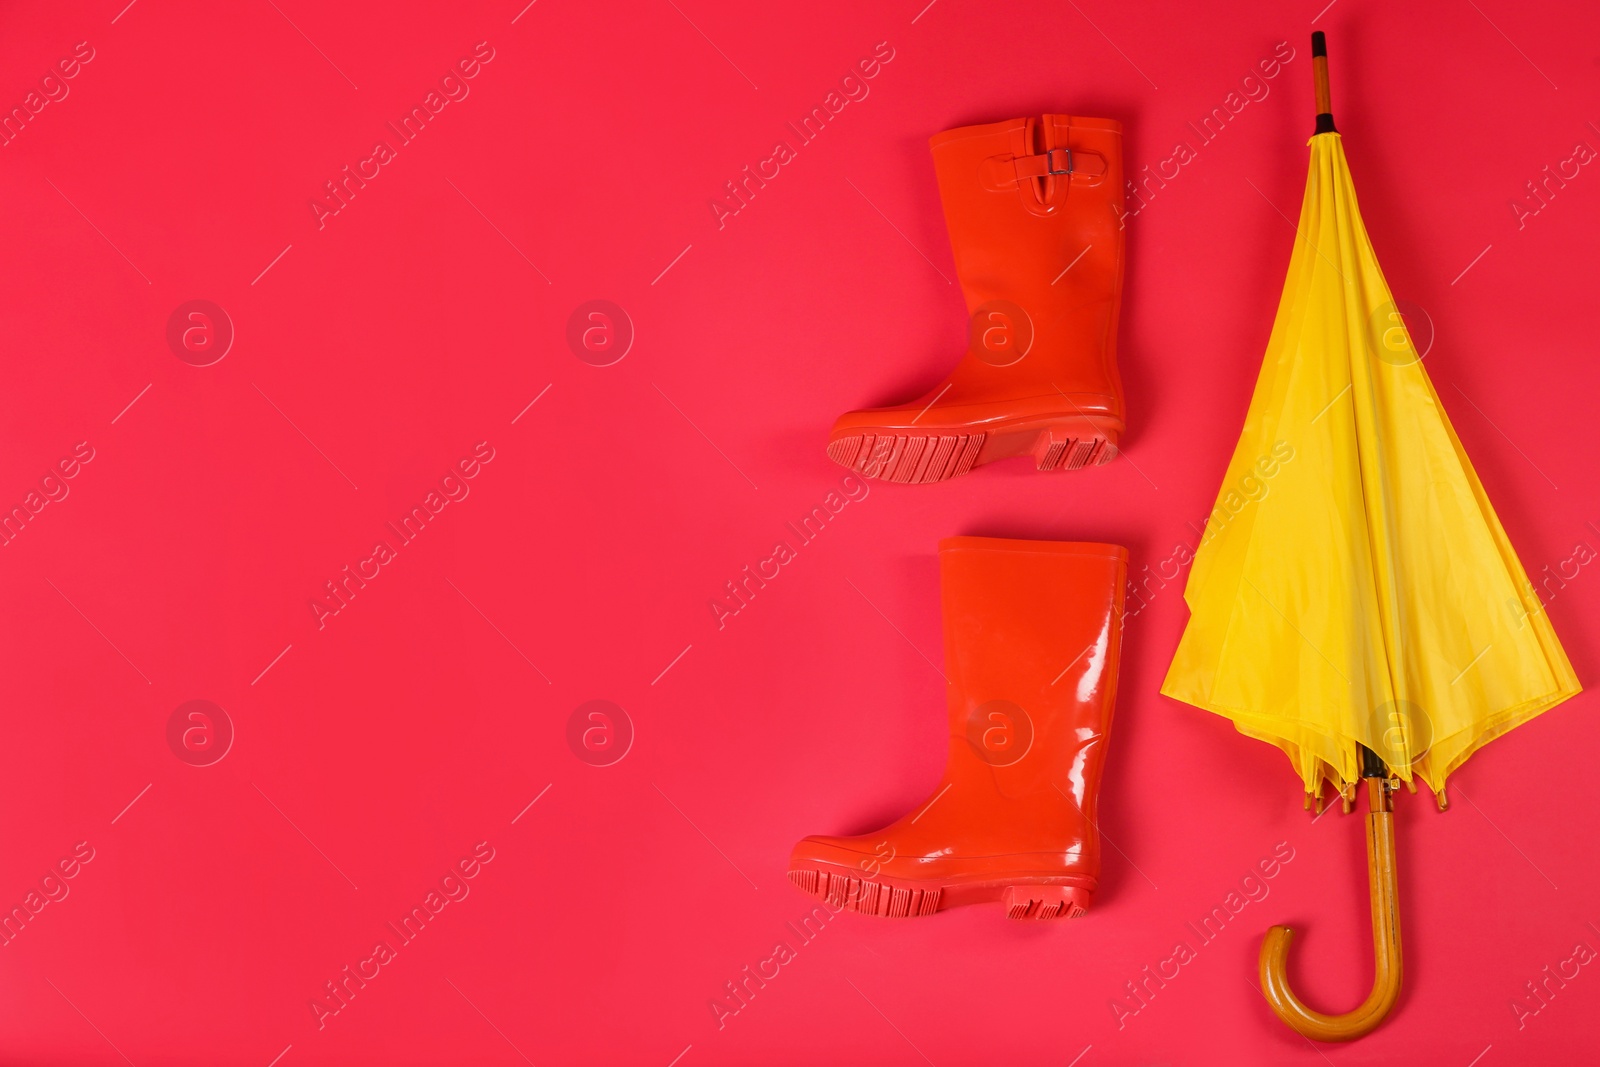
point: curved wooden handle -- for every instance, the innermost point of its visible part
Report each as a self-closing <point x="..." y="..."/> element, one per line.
<point x="1385" y="942"/>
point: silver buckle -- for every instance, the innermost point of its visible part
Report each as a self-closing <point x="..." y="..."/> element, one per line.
<point x="1050" y="161"/>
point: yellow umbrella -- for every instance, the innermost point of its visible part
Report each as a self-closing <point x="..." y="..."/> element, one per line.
<point x="1355" y="600"/>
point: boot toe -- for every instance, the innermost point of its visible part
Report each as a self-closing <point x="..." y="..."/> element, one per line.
<point x="817" y="850"/>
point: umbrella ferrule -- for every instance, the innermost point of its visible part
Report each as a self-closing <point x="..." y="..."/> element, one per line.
<point x="1372" y="765"/>
<point x="1319" y="77"/>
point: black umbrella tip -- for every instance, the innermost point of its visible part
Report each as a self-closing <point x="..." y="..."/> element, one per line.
<point x="1319" y="44"/>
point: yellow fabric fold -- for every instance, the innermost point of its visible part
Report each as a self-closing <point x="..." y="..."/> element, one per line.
<point x="1354" y="585"/>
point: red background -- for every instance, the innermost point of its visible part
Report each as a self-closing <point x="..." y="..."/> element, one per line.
<point x="378" y="350"/>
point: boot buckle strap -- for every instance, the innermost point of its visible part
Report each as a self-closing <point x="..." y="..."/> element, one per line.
<point x="1056" y="162"/>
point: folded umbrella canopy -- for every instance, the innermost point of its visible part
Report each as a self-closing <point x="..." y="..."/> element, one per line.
<point x="1355" y="600"/>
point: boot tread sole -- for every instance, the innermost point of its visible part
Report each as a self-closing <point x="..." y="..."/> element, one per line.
<point x="868" y="897"/>
<point x="917" y="459"/>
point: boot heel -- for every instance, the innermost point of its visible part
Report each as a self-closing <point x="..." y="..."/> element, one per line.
<point x="1071" y="445"/>
<point x="1046" y="901"/>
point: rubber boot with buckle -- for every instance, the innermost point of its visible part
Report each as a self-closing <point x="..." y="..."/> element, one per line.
<point x="1033" y="208"/>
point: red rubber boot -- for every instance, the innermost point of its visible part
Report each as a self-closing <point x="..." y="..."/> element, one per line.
<point x="1033" y="208"/>
<point x="1032" y="632"/>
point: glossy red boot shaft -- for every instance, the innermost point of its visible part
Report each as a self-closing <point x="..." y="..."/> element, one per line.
<point x="1032" y="639"/>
